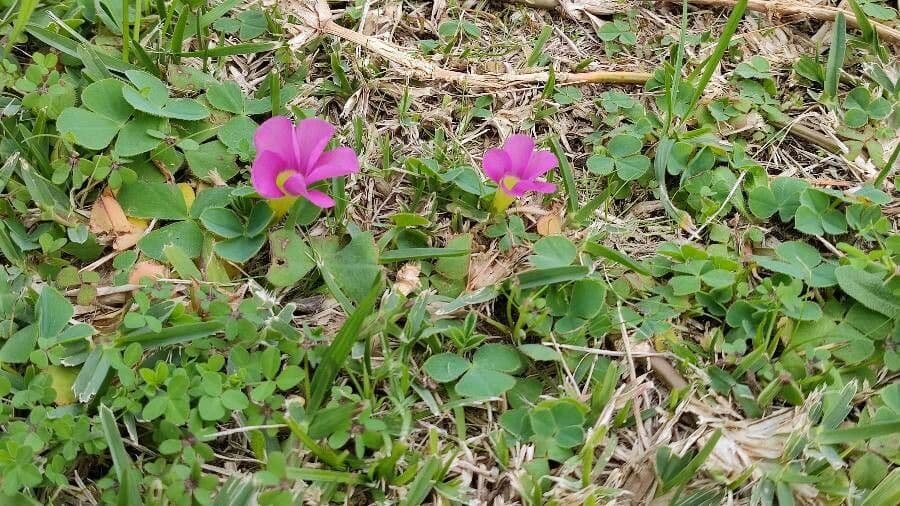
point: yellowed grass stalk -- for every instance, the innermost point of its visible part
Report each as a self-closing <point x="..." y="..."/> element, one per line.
<point x="316" y="18"/>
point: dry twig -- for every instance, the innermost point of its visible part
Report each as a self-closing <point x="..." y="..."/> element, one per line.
<point x="316" y="18"/>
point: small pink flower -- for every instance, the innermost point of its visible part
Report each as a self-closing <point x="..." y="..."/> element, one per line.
<point x="516" y="166"/>
<point x="290" y="158"/>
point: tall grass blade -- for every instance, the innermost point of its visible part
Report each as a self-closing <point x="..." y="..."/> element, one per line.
<point x="724" y="41"/>
<point x="836" y="55"/>
<point x="339" y="350"/>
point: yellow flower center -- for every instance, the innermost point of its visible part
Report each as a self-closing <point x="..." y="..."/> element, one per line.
<point x="508" y="182"/>
<point x="282" y="178"/>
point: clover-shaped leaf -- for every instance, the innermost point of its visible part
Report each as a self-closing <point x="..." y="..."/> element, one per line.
<point x="860" y="106"/>
<point x="151" y="96"/>
<point x="104" y="114"/>
<point x="783" y="197"/>
<point x="757" y="68"/>
<point x="291" y="258"/>
<point x="446" y="367"/>
<point x="817" y="215"/>
<point x="488" y="375"/>
<point x="800" y="260"/>
<point x="557" y="426"/>
<point x="623" y="155"/>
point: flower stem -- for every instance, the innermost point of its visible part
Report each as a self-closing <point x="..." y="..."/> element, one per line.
<point x="501" y="202"/>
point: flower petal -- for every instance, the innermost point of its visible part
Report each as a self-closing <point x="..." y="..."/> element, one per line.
<point x="523" y="187"/>
<point x="541" y="162"/>
<point x="311" y="135"/>
<point x="519" y="148"/>
<point x="264" y="174"/>
<point x="319" y="199"/>
<point x="297" y="185"/>
<point x="496" y="164"/>
<point x="275" y="135"/>
<point x="337" y="162"/>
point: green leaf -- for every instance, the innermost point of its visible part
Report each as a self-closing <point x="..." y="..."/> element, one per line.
<point x="240" y="249"/>
<point x="498" y="357"/>
<point x="185" y="108"/>
<point x="762" y="202"/>
<point x="868" y="289"/>
<point x="19" y="346"/>
<point x="632" y="167"/>
<point x="856" y="118"/>
<point x="540" y="353"/>
<point x="104" y="97"/>
<point x="222" y="222"/>
<point x="601" y="165"/>
<point x="597" y="249"/>
<point x="210" y="408"/>
<point x="90" y="129"/>
<point x="53" y="312"/>
<point x="587" y="299"/>
<point x="339" y="349"/>
<point x="291" y="258"/>
<point x="887" y="492"/>
<point x="92" y="375"/>
<point x="152" y="200"/>
<point x="456" y="268"/>
<point x="134" y="138"/>
<point x="353" y="268"/>
<point x="211" y="157"/>
<point x="226" y="96"/>
<point x="481" y="383"/>
<point x="553" y="251"/>
<point x="624" y="145"/>
<point x="186" y="235"/>
<point x="445" y="367"/>
<point x="181" y="262"/>
<point x="237" y="135"/>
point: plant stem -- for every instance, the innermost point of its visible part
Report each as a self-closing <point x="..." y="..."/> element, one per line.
<point x="883" y="173"/>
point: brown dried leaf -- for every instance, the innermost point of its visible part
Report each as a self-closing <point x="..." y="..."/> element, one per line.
<point x="408" y="278"/>
<point x="108" y="217"/>
<point x="549" y="224"/>
<point x="147" y="269"/>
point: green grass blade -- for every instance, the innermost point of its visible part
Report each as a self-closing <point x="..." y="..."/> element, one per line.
<point x="405" y="254"/>
<point x="177" y="40"/>
<point x="538" y="49"/>
<point x="737" y="13"/>
<point x="836" y="55"/>
<point x="597" y="249"/>
<point x="26" y="10"/>
<point x="237" y="491"/>
<point x="173" y="335"/>
<point x="887" y="492"/>
<point x="859" y="432"/>
<point x="424" y="482"/>
<point x="337" y="353"/>
<point x="568" y="178"/>
<point x="234" y="49"/>
<point x="122" y="463"/>
<point x="552" y="275"/>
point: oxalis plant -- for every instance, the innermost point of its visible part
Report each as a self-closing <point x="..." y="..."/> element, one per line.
<point x="249" y="263"/>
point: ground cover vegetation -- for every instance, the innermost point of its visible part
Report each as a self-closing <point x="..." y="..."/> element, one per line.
<point x="290" y="252"/>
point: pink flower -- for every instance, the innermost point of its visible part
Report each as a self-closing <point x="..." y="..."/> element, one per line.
<point x="516" y="166"/>
<point x="290" y="158"/>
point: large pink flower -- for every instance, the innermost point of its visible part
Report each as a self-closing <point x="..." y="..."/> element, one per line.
<point x="290" y="158"/>
<point x="516" y="166"/>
